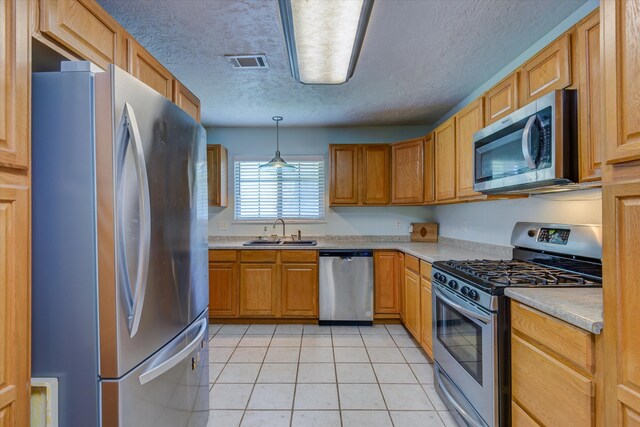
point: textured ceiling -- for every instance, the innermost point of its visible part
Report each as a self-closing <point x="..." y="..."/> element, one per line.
<point x="419" y="58"/>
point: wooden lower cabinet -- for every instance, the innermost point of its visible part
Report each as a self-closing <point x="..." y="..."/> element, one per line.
<point x="412" y="303"/>
<point x="426" y="317"/>
<point x="553" y="371"/>
<point x="258" y="290"/>
<point x="299" y="290"/>
<point x="223" y="289"/>
<point x="263" y="284"/>
<point x="386" y="285"/>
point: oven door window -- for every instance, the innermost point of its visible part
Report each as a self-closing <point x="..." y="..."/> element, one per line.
<point x="462" y="338"/>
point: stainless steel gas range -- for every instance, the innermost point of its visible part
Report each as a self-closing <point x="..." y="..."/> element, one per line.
<point x="471" y="314"/>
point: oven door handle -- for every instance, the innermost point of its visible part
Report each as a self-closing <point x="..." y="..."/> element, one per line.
<point x="481" y="317"/>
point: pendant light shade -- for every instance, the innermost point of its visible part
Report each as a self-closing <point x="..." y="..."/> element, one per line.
<point x="277" y="161"/>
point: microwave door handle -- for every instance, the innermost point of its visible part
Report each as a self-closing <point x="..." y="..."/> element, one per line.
<point x="145" y="220"/>
<point x="526" y="147"/>
<point x="478" y="316"/>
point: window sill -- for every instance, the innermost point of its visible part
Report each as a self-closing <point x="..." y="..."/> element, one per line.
<point x="287" y="221"/>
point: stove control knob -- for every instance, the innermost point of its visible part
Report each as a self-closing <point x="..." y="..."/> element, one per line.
<point x="465" y="290"/>
<point x="472" y="294"/>
<point x="453" y="284"/>
<point x="440" y="277"/>
<point x="531" y="232"/>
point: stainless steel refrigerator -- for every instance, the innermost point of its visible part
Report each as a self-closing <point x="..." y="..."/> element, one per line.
<point x="120" y="273"/>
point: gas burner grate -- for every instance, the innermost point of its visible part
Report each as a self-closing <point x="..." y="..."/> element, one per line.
<point x="514" y="273"/>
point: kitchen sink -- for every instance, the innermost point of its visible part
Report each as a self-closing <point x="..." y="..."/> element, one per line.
<point x="262" y="242"/>
<point x="299" y="242"/>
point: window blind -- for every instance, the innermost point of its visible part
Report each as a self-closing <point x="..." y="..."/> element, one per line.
<point x="271" y="193"/>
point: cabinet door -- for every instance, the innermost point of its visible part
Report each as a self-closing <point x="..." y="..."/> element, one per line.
<point x="621" y="67"/>
<point x="502" y="99"/>
<point x="258" y="290"/>
<point x="376" y="171"/>
<point x="407" y="168"/>
<point x="386" y="282"/>
<point x="549" y="70"/>
<point x="343" y="185"/>
<point x="412" y="303"/>
<point x="445" y="160"/>
<point x="143" y="66"/>
<point x="540" y="382"/>
<point x="217" y="160"/>
<point x="15" y="212"/>
<point x="83" y="27"/>
<point x="468" y="121"/>
<point x="299" y="290"/>
<point x="588" y="62"/>
<point x="223" y="289"/>
<point x="426" y="317"/>
<point x="621" y="251"/>
<point x="429" y="169"/>
<point x="186" y="100"/>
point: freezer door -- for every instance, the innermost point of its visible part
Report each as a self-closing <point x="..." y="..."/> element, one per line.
<point x="152" y="212"/>
<point x="169" y="389"/>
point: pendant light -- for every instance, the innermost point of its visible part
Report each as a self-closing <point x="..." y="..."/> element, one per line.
<point x="277" y="161"/>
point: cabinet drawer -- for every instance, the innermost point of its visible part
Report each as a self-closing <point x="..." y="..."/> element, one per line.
<point x="412" y="263"/>
<point x="425" y="269"/>
<point x="566" y="341"/>
<point x="258" y="256"/>
<point x="299" y="256"/>
<point x="223" y="255"/>
<point x="553" y="393"/>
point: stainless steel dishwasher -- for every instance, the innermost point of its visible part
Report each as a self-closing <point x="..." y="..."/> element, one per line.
<point x="346" y="287"/>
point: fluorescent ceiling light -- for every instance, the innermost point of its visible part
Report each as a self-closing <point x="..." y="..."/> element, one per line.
<point x="324" y="37"/>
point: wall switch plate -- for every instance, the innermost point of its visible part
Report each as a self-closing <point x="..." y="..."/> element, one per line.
<point x="223" y="225"/>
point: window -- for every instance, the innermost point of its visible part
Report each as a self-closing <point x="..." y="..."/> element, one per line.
<point x="269" y="193"/>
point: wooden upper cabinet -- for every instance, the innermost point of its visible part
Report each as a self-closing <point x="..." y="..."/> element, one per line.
<point x="445" y="160"/>
<point x="429" y="169"/>
<point x="468" y="121"/>
<point x="588" y="64"/>
<point x="15" y="75"/>
<point x="386" y="283"/>
<point x="186" y="100"/>
<point x="407" y="169"/>
<point x="343" y="181"/>
<point x="549" y="70"/>
<point x="217" y="164"/>
<point x="143" y="66"/>
<point x="375" y="179"/>
<point x="85" y="28"/>
<point x="621" y="57"/>
<point x="502" y="99"/>
<point x="299" y="290"/>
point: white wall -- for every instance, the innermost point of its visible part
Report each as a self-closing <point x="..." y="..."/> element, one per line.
<point x="492" y="222"/>
<point x="314" y="141"/>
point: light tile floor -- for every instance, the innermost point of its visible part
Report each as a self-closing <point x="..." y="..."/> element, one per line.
<point x="320" y="376"/>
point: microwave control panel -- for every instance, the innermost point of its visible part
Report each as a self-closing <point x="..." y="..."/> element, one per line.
<point x="554" y="236"/>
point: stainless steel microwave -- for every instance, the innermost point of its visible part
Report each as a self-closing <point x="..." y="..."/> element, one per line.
<point x="533" y="149"/>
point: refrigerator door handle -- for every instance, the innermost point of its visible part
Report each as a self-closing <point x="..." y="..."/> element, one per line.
<point x="140" y="288"/>
<point x="164" y="366"/>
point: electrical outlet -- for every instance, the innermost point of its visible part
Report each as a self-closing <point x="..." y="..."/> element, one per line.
<point x="223" y="225"/>
<point x="464" y="226"/>
<point x="398" y="224"/>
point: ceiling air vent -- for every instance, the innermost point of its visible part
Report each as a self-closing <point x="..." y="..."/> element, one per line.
<point x="247" y="62"/>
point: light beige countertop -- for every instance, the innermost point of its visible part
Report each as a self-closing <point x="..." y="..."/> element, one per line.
<point x="429" y="252"/>
<point x="581" y="307"/>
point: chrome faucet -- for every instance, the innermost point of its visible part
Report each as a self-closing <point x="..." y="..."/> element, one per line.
<point x="283" y="230"/>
